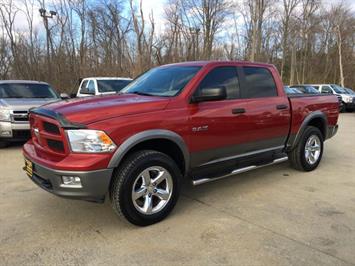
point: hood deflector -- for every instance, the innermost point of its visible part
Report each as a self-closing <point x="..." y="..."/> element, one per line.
<point x="57" y="116"/>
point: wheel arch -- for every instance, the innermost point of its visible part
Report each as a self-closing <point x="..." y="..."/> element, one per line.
<point x="317" y="119"/>
<point x="162" y="140"/>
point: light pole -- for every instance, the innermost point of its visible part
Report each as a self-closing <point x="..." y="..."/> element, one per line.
<point x="45" y="17"/>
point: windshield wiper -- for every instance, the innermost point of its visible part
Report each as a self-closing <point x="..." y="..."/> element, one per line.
<point x="140" y="93"/>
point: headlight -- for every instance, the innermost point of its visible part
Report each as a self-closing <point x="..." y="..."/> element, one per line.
<point x="348" y="99"/>
<point x="90" y="141"/>
<point x="5" y="115"/>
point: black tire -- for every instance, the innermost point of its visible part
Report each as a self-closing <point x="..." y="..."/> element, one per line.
<point x="3" y="144"/>
<point x="124" y="179"/>
<point x="297" y="156"/>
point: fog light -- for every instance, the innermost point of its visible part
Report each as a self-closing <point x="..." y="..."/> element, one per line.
<point x="6" y="133"/>
<point x="71" y="181"/>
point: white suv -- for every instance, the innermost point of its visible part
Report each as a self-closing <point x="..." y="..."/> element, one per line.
<point x="101" y="85"/>
<point x="347" y="99"/>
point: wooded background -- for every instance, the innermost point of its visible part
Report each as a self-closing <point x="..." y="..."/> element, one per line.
<point x="309" y="41"/>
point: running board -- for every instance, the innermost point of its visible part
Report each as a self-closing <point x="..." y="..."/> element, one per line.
<point x="238" y="171"/>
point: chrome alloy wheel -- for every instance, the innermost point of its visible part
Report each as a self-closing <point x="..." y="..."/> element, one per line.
<point x="152" y="190"/>
<point x="312" y="149"/>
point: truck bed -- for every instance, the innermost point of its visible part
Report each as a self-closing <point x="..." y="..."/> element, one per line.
<point x="301" y="105"/>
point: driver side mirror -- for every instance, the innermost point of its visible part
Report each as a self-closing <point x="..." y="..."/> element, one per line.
<point x="64" y="96"/>
<point x="210" y="94"/>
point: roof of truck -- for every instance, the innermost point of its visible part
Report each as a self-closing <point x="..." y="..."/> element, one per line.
<point x="22" y="82"/>
<point x="122" y="78"/>
<point x="217" y="62"/>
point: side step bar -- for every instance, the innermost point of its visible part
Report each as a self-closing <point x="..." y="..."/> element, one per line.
<point x="239" y="171"/>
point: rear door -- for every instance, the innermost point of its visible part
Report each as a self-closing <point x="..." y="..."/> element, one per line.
<point x="268" y="112"/>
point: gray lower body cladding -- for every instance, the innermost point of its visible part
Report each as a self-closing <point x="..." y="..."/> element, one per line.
<point x="95" y="184"/>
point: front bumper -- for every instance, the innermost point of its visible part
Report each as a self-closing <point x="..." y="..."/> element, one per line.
<point x="95" y="184"/>
<point x="14" y="131"/>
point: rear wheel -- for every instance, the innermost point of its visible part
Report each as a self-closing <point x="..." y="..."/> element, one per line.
<point x="145" y="187"/>
<point x="307" y="154"/>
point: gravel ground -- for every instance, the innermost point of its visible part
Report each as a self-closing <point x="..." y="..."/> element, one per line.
<point x="271" y="216"/>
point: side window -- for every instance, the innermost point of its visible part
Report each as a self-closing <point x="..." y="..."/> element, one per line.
<point x="327" y="89"/>
<point x="91" y="87"/>
<point x="222" y="77"/>
<point x="83" y="86"/>
<point x="316" y="87"/>
<point x="259" y="83"/>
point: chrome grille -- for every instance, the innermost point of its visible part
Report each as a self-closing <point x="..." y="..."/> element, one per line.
<point x="20" y="116"/>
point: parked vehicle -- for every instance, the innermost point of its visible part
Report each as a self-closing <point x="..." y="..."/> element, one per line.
<point x="197" y="120"/>
<point x="101" y="86"/>
<point x="289" y="90"/>
<point x="348" y="100"/>
<point x="350" y="91"/>
<point x="305" y="89"/>
<point x="16" y="98"/>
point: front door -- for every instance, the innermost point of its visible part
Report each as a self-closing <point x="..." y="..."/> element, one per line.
<point x="217" y="126"/>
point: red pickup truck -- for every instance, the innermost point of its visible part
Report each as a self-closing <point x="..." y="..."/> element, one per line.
<point x="197" y="120"/>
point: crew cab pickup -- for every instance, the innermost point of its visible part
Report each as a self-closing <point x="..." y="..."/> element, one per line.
<point x="196" y="120"/>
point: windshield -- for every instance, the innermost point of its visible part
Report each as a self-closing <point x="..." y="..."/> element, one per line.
<point x="338" y="89"/>
<point x="166" y="81"/>
<point x="312" y="90"/>
<point x="111" y="85"/>
<point x="290" y="90"/>
<point x="26" y="90"/>
<point x="350" y="91"/>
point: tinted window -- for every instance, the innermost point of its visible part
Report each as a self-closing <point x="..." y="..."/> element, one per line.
<point x="23" y="90"/>
<point x="162" y="81"/>
<point x="111" y="85"/>
<point x="222" y="77"/>
<point x="259" y="83"/>
<point x="83" y="88"/>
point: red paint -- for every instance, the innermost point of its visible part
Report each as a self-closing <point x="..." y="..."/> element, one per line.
<point x="122" y="116"/>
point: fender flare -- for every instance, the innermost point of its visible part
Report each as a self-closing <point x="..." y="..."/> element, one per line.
<point x="132" y="141"/>
<point x="293" y="140"/>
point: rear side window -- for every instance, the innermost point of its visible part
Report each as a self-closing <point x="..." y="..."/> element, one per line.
<point x="259" y="83"/>
<point x="222" y="77"/>
<point x="327" y="89"/>
<point x="83" y="88"/>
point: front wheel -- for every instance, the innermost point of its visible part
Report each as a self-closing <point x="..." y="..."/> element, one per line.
<point x="145" y="187"/>
<point x="307" y="154"/>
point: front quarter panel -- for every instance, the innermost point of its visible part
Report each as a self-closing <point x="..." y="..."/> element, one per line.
<point x="126" y="131"/>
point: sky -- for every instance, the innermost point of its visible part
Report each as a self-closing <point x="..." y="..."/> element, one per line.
<point x="155" y="6"/>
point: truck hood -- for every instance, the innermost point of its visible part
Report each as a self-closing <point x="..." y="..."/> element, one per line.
<point x="88" y="110"/>
<point x="23" y="104"/>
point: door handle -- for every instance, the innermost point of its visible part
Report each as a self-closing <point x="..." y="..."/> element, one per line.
<point x="281" y="106"/>
<point x="238" y="111"/>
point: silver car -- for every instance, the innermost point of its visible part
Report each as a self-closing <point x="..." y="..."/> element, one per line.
<point x="16" y="98"/>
